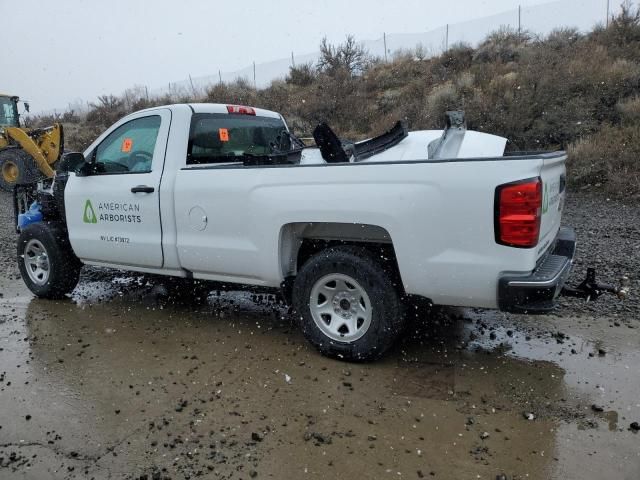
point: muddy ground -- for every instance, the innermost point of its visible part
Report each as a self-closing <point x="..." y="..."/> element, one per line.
<point x="118" y="382"/>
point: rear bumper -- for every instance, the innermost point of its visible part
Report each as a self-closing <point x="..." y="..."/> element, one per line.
<point x="535" y="292"/>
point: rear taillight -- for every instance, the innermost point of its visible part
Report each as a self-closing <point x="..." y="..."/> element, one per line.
<point x="518" y="210"/>
<point x="241" y="110"/>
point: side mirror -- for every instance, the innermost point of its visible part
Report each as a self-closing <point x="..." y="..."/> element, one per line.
<point x="72" y="162"/>
<point x="84" y="170"/>
<point x="26" y="106"/>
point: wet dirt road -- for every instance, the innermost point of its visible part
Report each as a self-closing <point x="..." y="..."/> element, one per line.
<point x="118" y="383"/>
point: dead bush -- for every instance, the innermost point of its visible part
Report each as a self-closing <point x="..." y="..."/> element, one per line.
<point x="348" y="56"/>
<point x="503" y="45"/>
<point x="240" y="92"/>
<point x="106" y="110"/>
<point x="609" y="159"/>
<point x="301" y="75"/>
<point x="629" y="110"/>
<point x="622" y="36"/>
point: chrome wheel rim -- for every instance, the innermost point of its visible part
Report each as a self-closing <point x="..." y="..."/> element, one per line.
<point x="36" y="262"/>
<point x="340" y="307"/>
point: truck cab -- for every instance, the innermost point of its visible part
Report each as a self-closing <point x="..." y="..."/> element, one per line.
<point x="9" y="116"/>
<point x="120" y="207"/>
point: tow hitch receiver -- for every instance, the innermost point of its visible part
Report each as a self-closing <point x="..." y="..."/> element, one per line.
<point x="590" y="289"/>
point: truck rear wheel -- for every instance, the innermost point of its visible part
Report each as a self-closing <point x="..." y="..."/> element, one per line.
<point x="347" y="304"/>
<point x="47" y="263"/>
<point x="16" y="167"/>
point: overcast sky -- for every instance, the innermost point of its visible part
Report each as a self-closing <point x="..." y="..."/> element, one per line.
<point x="54" y="52"/>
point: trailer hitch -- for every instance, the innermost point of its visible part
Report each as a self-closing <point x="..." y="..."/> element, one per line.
<point x="590" y="289"/>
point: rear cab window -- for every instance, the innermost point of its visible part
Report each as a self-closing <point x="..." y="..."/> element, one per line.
<point x="230" y="138"/>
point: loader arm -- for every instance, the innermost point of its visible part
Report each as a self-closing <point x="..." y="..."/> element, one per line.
<point x="45" y="146"/>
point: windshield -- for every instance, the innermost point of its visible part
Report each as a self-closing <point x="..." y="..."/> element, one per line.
<point x="8" y="112"/>
<point x="218" y="137"/>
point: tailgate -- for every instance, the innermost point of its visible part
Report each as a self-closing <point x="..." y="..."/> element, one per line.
<point x="553" y="174"/>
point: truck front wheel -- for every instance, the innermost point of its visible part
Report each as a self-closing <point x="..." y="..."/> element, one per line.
<point x="47" y="263"/>
<point x="347" y="304"/>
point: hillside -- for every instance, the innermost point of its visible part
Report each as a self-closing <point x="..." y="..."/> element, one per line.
<point x="580" y="92"/>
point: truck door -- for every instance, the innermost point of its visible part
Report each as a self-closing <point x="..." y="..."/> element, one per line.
<point x="113" y="214"/>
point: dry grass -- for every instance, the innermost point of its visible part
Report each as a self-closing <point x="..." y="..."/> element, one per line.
<point x="608" y="160"/>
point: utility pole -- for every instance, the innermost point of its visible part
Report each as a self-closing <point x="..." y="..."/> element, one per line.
<point x="519" y="20"/>
<point x="446" y="39"/>
<point x="254" y="75"/>
<point x="193" y="89"/>
<point x="384" y="39"/>
<point x="607" y="23"/>
<point x="293" y="62"/>
<point x="220" y="76"/>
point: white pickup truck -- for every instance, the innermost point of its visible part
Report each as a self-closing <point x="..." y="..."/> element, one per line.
<point x="351" y="232"/>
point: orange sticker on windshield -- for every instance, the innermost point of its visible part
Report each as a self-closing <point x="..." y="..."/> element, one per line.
<point x="224" y="134"/>
<point x="127" y="143"/>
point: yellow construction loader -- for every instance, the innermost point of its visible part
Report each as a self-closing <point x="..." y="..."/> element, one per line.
<point x="26" y="155"/>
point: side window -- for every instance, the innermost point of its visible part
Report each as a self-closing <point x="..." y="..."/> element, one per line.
<point x="129" y="148"/>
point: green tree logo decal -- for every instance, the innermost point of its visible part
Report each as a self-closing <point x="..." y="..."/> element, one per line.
<point x="89" y="214"/>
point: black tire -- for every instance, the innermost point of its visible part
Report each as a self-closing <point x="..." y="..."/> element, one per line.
<point x="17" y="159"/>
<point x="377" y="280"/>
<point x="63" y="266"/>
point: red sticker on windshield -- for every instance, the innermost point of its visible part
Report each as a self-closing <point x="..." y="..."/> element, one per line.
<point x="127" y="143"/>
<point x="223" y="133"/>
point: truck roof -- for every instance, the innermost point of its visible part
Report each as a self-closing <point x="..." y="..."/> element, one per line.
<point x="215" y="108"/>
<point x="222" y="108"/>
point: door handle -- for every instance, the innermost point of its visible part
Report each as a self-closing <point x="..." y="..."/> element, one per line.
<point x="142" y="189"/>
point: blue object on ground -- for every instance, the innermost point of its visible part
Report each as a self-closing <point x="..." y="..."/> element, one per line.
<point x="33" y="215"/>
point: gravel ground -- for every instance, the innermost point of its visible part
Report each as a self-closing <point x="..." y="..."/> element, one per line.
<point x="608" y="239"/>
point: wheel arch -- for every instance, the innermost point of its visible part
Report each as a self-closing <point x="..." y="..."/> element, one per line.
<point x="301" y="240"/>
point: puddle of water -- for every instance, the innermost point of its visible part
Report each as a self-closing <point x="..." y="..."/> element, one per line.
<point x="599" y="367"/>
